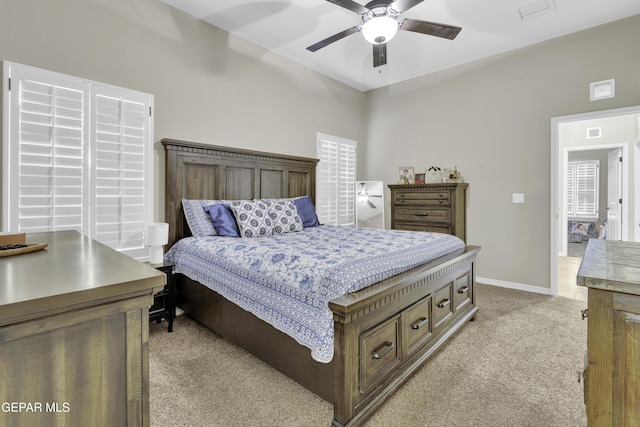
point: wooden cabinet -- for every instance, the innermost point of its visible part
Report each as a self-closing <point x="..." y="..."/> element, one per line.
<point x="611" y="270"/>
<point x="74" y="331"/>
<point x="437" y="208"/>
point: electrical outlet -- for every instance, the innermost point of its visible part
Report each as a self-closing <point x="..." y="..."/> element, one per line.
<point x="518" y="197"/>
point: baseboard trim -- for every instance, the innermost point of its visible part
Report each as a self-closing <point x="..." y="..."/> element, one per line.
<point x="513" y="285"/>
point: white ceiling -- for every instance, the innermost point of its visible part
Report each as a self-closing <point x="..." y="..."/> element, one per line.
<point x="489" y="27"/>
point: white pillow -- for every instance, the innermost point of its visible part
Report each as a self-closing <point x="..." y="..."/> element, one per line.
<point x="252" y="217"/>
<point x="284" y="214"/>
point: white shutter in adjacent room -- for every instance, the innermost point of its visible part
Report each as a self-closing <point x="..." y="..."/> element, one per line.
<point x="582" y="189"/>
<point x="76" y="155"/>
<point x="335" y="195"/>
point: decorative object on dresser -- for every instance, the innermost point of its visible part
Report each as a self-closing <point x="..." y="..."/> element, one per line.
<point x="430" y="207"/>
<point x="405" y="175"/>
<point x="611" y="271"/>
<point x="164" y="302"/>
<point x="74" y="329"/>
<point x="381" y="334"/>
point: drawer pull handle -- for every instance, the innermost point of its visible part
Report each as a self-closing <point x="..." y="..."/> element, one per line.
<point x="445" y="302"/>
<point x="463" y="289"/>
<point x="441" y="201"/>
<point x="379" y="352"/>
<point x="421" y="214"/>
<point x="420" y="323"/>
<point x="585" y="313"/>
<point x="401" y="200"/>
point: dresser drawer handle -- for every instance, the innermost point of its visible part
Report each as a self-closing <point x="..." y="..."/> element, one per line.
<point x="421" y="214"/>
<point x="420" y="323"/>
<point x="441" y="201"/>
<point x="400" y="200"/>
<point x="445" y="302"/>
<point x="379" y="352"/>
<point x="463" y="289"/>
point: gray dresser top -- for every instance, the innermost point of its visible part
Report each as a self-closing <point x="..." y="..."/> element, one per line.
<point x="611" y="265"/>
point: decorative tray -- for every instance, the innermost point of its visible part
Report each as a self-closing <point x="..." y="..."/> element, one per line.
<point x="17" y="249"/>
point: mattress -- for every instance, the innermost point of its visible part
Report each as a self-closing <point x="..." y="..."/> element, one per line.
<point x="288" y="279"/>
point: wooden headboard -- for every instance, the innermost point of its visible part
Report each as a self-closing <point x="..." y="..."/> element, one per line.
<point x="201" y="171"/>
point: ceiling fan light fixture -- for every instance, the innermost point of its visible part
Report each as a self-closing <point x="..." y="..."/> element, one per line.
<point x="380" y="29"/>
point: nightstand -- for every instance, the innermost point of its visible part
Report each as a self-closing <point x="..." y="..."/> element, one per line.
<point x="164" y="303"/>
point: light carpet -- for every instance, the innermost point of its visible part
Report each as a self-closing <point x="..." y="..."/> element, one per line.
<point x="517" y="364"/>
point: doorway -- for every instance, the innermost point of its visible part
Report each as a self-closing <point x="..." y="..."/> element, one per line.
<point x="619" y="128"/>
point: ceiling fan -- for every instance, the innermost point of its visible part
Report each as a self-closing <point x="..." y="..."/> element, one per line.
<point x="381" y="21"/>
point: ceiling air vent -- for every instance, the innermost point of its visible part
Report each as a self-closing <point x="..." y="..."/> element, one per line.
<point x="536" y="8"/>
<point x="594" y="133"/>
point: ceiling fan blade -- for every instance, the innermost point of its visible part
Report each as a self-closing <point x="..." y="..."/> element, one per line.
<point x="379" y="54"/>
<point x="371" y="205"/>
<point x="404" y="5"/>
<point x="351" y="5"/>
<point x="430" y="28"/>
<point x="333" y="38"/>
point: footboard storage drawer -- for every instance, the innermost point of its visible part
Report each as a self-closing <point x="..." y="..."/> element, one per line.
<point x="462" y="291"/>
<point x="442" y="305"/>
<point x="380" y="353"/>
<point x="418" y="324"/>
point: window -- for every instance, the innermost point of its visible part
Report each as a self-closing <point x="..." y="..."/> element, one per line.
<point x="582" y="189"/>
<point x="335" y="195"/>
<point x="76" y="155"/>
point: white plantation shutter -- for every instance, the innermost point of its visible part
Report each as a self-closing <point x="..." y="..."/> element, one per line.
<point x="335" y="195"/>
<point x="584" y="187"/>
<point x="571" y="188"/>
<point x="76" y="155"/>
<point x="45" y="160"/>
<point x="121" y="153"/>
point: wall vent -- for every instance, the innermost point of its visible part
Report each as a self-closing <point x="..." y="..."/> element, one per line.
<point x="602" y="90"/>
<point x="536" y="8"/>
<point x="594" y="133"/>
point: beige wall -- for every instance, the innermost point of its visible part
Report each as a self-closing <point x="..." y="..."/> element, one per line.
<point x="492" y="120"/>
<point x="208" y="86"/>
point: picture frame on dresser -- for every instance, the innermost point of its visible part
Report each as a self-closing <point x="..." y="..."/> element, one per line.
<point x="406" y="175"/>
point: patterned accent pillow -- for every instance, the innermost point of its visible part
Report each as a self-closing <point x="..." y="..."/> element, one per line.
<point x="197" y="218"/>
<point x="252" y="217"/>
<point x="284" y="215"/>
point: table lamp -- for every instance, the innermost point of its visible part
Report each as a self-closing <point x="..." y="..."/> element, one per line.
<point x="156" y="235"/>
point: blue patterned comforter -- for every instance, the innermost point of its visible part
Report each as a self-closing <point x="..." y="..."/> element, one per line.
<point x="288" y="280"/>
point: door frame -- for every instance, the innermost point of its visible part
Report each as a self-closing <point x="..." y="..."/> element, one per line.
<point x="557" y="160"/>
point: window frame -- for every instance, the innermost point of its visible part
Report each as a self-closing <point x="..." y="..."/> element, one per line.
<point x="14" y="75"/>
<point x="583" y="184"/>
<point x="335" y="180"/>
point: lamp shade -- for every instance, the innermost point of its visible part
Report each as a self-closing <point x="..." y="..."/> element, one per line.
<point x="380" y="29"/>
<point x="157" y="234"/>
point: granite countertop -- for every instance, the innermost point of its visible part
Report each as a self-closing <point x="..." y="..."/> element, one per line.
<point x="611" y="265"/>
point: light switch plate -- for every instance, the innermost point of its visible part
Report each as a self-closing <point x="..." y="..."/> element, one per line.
<point x="518" y="197"/>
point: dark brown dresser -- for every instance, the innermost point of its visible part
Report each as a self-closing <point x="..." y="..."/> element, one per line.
<point x="437" y="208"/>
<point x="74" y="334"/>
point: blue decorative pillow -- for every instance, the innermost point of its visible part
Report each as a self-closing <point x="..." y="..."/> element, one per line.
<point x="252" y="217"/>
<point x="284" y="215"/>
<point x="223" y="220"/>
<point x="198" y="220"/>
<point x="307" y="211"/>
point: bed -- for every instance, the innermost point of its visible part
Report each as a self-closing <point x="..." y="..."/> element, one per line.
<point x="381" y="333"/>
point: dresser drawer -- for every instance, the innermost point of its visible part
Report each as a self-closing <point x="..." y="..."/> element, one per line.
<point x="379" y="353"/>
<point x="417" y="213"/>
<point x="418" y="324"/>
<point x="416" y="226"/>
<point x="462" y="290"/>
<point x="442" y="305"/>
<point x="433" y="198"/>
